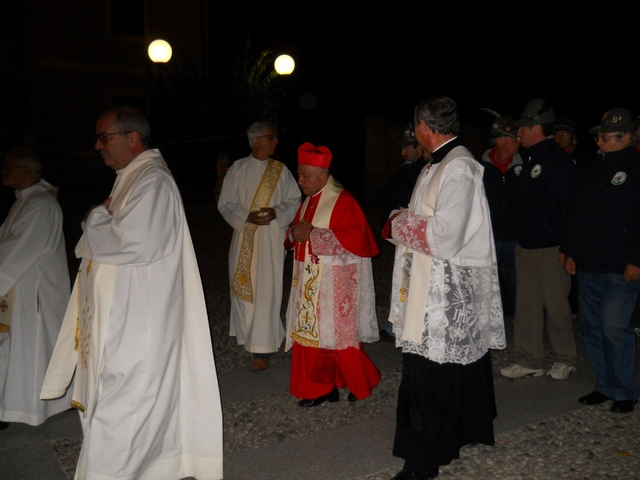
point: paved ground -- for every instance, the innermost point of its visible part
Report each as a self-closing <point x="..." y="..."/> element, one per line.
<point x="541" y="430"/>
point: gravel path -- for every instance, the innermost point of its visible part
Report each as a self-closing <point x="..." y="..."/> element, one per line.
<point x="585" y="444"/>
<point x="588" y="443"/>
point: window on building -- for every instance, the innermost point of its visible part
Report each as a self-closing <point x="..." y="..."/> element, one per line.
<point x="127" y="17"/>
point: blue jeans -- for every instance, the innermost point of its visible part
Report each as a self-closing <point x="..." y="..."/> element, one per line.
<point x="606" y="303"/>
<point x="506" y="249"/>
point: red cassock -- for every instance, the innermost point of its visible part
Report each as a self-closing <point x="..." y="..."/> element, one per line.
<point x="317" y="371"/>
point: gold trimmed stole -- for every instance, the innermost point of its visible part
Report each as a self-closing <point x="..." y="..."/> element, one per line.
<point x="305" y="329"/>
<point x="6" y="310"/>
<point x="241" y="282"/>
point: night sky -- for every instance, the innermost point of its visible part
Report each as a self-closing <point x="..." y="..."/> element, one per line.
<point x="583" y="63"/>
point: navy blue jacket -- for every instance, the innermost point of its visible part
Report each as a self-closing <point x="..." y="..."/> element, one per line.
<point x="603" y="216"/>
<point x="400" y="187"/>
<point x="546" y="182"/>
<point x="501" y="195"/>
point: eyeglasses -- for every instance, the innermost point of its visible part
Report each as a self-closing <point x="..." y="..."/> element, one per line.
<point x="103" y="137"/>
<point x="9" y="167"/>
<point x="604" y="138"/>
<point x="272" y="136"/>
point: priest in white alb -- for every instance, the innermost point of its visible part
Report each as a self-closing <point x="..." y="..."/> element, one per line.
<point x="34" y="291"/>
<point x="446" y="307"/>
<point x="259" y="198"/>
<point x="136" y="330"/>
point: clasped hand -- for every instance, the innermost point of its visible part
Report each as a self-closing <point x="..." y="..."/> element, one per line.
<point x="301" y="230"/>
<point x="264" y="216"/>
<point x="104" y="204"/>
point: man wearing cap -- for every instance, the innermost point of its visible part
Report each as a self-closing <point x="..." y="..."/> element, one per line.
<point x="446" y="308"/>
<point x="332" y="308"/>
<point x="259" y="198"/>
<point x="565" y="135"/>
<point x="399" y="189"/>
<point x="602" y="249"/>
<point x="502" y="166"/>
<point x="546" y="182"/>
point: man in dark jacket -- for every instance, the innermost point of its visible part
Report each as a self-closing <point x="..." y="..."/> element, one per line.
<point x="502" y="166"/>
<point x="399" y="189"/>
<point x="546" y="181"/>
<point x="565" y="134"/>
<point x="602" y="248"/>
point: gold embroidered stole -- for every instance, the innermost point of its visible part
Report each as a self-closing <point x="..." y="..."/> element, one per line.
<point x="6" y="310"/>
<point x="305" y="329"/>
<point x="420" y="278"/>
<point x="94" y="289"/>
<point x="241" y="282"/>
<point x="85" y="311"/>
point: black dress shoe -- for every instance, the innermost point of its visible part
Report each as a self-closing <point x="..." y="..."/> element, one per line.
<point x="332" y="396"/>
<point x="623" y="406"/>
<point x="405" y="474"/>
<point x="4" y="425"/>
<point x="352" y="397"/>
<point x="594" y="398"/>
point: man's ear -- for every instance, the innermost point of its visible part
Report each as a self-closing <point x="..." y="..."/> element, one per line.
<point x="134" y="138"/>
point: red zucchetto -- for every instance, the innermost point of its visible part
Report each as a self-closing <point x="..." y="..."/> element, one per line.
<point x="314" y="156"/>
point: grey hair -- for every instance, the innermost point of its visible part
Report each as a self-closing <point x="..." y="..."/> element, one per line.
<point x="130" y="119"/>
<point x="440" y="113"/>
<point x="257" y="128"/>
<point x="27" y="157"/>
<point x="634" y="140"/>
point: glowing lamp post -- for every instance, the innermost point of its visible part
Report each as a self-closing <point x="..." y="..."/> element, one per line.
<point x="284" y="65"/>
<point x="159" y="51"/>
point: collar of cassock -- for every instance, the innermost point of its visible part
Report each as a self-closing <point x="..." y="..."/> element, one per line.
<point x="442" y="152"/>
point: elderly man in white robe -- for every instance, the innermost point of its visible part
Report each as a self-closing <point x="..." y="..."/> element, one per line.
<point x="34" y="289"/>
<point x="136" y="330"/>
<point x="259" y="198"/>
<point x="446" y="307"/>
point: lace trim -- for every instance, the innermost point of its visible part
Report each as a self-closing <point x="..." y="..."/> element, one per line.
<point x="463" y="317"/>
<point x="346" y="308"/>
<point x="411" y="230"/>
<point x="324" y="242"/>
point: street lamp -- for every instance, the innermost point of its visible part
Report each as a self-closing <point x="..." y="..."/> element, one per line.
<point x="159" y="51"/>
<point x="284" y="65"/>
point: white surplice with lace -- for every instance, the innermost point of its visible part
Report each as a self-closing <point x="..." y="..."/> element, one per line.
<point x="457" y="312"/>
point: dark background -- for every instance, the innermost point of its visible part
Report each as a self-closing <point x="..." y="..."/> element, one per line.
<point x="376" y="61"/>
<point x="584" y="61"/>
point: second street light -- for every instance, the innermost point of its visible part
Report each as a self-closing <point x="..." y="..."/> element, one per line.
<point x="160" y="53"/>
<point x="284" y="64"/>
